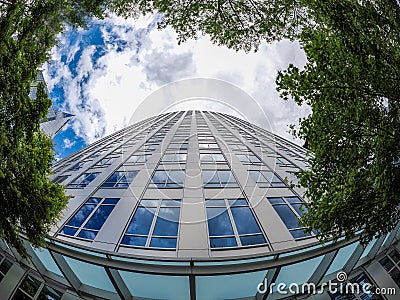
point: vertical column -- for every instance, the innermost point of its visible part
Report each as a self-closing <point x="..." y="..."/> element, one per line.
<point x="193" y="236"/>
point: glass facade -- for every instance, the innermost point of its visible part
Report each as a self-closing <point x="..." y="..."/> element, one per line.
<point x="186" y="205"/>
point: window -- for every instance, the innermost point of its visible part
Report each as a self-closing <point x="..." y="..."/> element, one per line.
<point x="137" y="159"/>
<point x="76" y="166"/>
<point x="266" y="179"/>
<point x="249" y="159"/>
<point x="212" y="158"/>
<point x="174" y="158"/>
<point x="231" y="223"/>
<point x="31" y="286"/>
<point x="239" y="147"/>
<point x="288" y="209"/>
<point x="5" y="265"/>
<point x="218" y="178"/>
<point x="391" y="264"/>
<point x="208" y="146"/>
<point x="155" y="224"/>
<point x="181" y="146"/>
<point x="120" y="179"/>
<point x="83" y="180"/>
<point x="89" y="219"/>
<point x="105" y="162"/>
<point x="283" y="162"/>
<point x="60" y="179"/>
<point x="168" y="179"/>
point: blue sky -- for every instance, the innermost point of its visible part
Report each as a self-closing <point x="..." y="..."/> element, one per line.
<point x="101" y="75"/>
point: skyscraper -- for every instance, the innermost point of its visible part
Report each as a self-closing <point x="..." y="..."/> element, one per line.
<point x="190" y="205"/>
<point x="56" y="120"/>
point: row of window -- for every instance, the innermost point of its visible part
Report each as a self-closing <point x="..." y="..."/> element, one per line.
<point x="32" y="288"/>
<point x="231" y="222"/>
<point x="175" y="179"/>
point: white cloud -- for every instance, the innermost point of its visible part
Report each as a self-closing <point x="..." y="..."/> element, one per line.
<point x="137" y="59"/>
<point x="68" y="143"/>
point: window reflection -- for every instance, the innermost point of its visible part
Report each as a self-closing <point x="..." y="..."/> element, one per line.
<point x="155" y="224"/>
<point x="290" y="210"/>
<point x="231" y="223"/>
<point x="89" y="219"/>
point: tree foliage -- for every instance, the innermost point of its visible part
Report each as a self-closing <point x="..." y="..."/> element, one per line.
<point x="351" y="81"/>
<point x="29" y="201"/>
<point x="238" y="24"/>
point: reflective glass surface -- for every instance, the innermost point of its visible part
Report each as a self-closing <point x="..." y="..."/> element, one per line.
<point x="157" y="286"/>
<point x="244" y="220"/>
<point x="85" y="273"/>
<point x="142" y="220"/>
<point x="287" y="215"/>
<point x="233" y="286"/>
<point x="164" y="213"/>
<point x="219" y="223"/>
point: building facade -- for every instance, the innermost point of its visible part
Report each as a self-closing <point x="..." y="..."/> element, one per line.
<point x="192" y="205"/>
<point x="56" y="120"/>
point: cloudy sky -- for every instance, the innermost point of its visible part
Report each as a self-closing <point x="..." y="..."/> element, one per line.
<point x="103" y="73"/>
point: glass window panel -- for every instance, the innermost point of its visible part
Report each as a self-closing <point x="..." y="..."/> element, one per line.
<point x="299" y="233"/>
<point x="218" y="221"/>
<point x="244" y="220"/>
<point x="93" y="201"/>
<point x="142" y="220"/>
<point x="81" y="215"/>
<point x="222" y="242"/>
<point x="238" y="202"/>
<point x="20" y="296"/>
<point x="90" y="274"/>
<point x="88" y="179"/>
<point x="225" y="176"/>
<point x="160" y="177"/>
<point x="134" y="240"/>
<point x="5" y="266"/>
<point x="395" y="274"/>
<point x="167" y="222"/>
<point x="287" y="215"/>
<point x="47" y="260"/>
<point x="167" y="202"/>
<point x="130" y="175"/>
<point x="69" y="231"/>
<point x="205" y="158"/>
<point x="48" y="293"/>
<point x="87" y="234"/>
<point x="293" y="199"/>
<point x="276" y="200"/>
<point x="298" y="273"/>
<point x="241" y="286"/>
<point x="215" y="202"/>
<point x="395" y="256"/>
<point x="256" y="176"/>
<point x="149" y="203"/>
<point x="252" y="239"/>
<point x="30" y="285"/>
<point x="110" y="201"/>
<point x="99" y="217"/>
<point x="142" y="286"/>
<point x="297" y="206"/>
<point x="163" y="242"/>
<point x="209" y="176"/>
<point x="386" y="263"/>
<point x="342" y="257"/>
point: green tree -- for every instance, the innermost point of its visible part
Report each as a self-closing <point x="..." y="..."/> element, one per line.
<point x="238" y="24"/>
<point x="351" y="81"/>
<point x="30" y="203"/>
